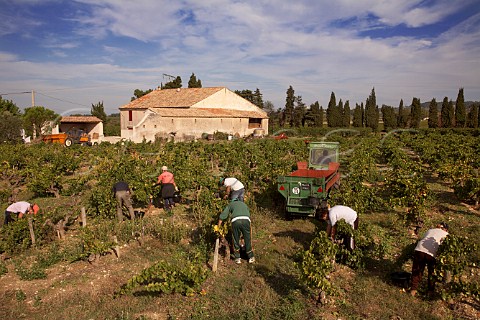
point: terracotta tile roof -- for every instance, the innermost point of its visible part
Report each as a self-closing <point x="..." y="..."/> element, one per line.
<point x="207" y="113"/>
<point x="172" y="98"/>
<point x="80" y="119"/>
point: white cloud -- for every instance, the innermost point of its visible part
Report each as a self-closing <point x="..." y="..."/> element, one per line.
<point x="265" y="44"/>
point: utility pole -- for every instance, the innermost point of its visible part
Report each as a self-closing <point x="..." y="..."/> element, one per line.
<point x="33" y="98"/>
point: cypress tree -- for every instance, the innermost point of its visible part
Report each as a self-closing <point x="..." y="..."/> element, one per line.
<point x="340" y="113"/>
<point x="98" y="111"/>
<point x="402" y="116"/>
<point x="472" y="118"/>
<point x="332" y="114"/>
<point x="193" y="82"/>
<point x="433" y="114"/>
<point x="316" y="115"/>
<point x="357" y="117"/>
<point x="416" y="113"/>
<point x="362" y="108"/>
<point x="289" y="106"/>
<point x="389" y="117"/>
<point x="372" y="114"/>
<point x="258" y="98"/>
<point x="299" y="112"/>
<point x="346" y="115"/>
<point x="460" y="112"/>
<point x="449" y="113"/>
<point x="445" y="120"/>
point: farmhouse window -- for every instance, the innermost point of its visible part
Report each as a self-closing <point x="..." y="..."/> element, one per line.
<point x="130" y="115"/>
<point x="254" y="123"/>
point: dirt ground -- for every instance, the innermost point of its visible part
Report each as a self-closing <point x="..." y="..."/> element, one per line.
<point x="74" y="287"/>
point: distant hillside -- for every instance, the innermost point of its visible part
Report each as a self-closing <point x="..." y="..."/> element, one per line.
<point x="426" y="105"/>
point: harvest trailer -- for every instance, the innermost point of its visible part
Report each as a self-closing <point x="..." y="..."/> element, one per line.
<point x="307" y="188"/>
<point x="68" y="138"/>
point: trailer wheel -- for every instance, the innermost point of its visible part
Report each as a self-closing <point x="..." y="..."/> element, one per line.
<point x="68" y="142"/>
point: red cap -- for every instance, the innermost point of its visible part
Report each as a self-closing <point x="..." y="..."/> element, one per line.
<point x="35" y="208"/>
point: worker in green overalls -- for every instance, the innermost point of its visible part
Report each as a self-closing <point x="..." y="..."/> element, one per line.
<point x="241" y="225"/>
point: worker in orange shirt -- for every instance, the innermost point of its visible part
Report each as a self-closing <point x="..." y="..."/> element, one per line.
<point x="166" y="179"/>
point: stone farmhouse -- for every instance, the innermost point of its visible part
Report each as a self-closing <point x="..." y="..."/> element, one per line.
<point x="190" y="113"/>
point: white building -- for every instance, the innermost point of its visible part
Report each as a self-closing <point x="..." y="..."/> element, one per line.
<point x="190" y="113"/>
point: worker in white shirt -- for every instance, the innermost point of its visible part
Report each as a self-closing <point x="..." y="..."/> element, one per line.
<point x="336" y="213"/>
<point x="235" y="189"/>
<point x="425" y="253"/>
<point x="20" y="209"/>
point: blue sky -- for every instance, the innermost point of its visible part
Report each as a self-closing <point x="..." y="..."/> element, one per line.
<point x="77" y="53"/>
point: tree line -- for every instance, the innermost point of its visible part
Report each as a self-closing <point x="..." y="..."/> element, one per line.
<point x="36" y="120"/>
<point x="295" y="113"/>
<point x="340" y="115"/>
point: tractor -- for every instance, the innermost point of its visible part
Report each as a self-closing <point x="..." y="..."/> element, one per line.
<point x="74" y="135"/>
<point x="308" y="187"/>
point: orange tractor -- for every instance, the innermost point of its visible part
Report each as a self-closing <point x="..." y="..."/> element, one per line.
<point x="68" y="138"/>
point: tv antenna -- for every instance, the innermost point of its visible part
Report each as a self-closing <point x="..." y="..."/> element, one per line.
<point x="168" y="78"/>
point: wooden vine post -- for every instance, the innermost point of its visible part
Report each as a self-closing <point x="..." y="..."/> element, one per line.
<point x="30" y="227"/>
<point x="84" y="217"/>
<point x="215" y="255"/>
<point x="116" y="249"/>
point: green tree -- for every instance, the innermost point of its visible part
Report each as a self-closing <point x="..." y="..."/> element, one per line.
<point x="193" y="82"/>
<point x="37" y="118"/>
<point x="433" y="114"/>
<point x="415" y="113"/>
<point x="112" y="125"/>
<point x="137" y="93"/>
<point x="447" y="113"/>
<point x="340" y="110"/>
<point x="9" y="106"/>
<point x="300" y="112"/>
<point x="254" y="97"/>
<point x="472" y="117"/>
<point x="289" y="106"/>
<point x="258" y="98"/>
<point x="357" y="121"/>
<point x="245" y="94"/>
<point x="402" y="116"/>
<point x="269" y="108"/>
<point x="99" y="111"/>
<point x="316" y="115"/>
<point x="346" y="115"/>
<point x="10" y="126"/>
<point x="174" y="84"/>
<point x="460" y="111"/>
<point x="372" y="114"/>
<point x="334" y="115"/>
<point x="389" y="117"/>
